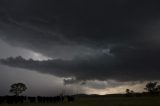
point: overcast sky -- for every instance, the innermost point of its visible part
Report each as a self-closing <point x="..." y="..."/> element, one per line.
<point x="82" y="46"/>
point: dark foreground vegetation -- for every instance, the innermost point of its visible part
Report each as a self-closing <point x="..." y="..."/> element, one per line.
<point x="31" y="100"/>
<point x="95" y="100"/>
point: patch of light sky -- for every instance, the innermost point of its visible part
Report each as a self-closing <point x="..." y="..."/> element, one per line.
<point x="8" y="50"/>
<point x="115" y="90"/>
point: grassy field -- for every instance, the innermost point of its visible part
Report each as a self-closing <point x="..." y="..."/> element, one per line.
<point x="104" y="101"/>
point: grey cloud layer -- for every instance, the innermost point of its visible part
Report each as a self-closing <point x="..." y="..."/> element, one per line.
<point x="103" y="39"/>
<point x="52" y="27"/>
<point x="125" y="67"/>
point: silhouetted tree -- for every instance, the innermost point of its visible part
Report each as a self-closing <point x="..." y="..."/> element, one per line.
<point x="129" y="92"/>
<point x="151" y="87"/>
<point x="18" y="88"/>
<point x="158" y="88"/>
<point x="132" y="92"/>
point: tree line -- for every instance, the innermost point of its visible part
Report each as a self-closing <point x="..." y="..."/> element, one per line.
<point x="152" y="88"/>
<point x="18" y="88"/>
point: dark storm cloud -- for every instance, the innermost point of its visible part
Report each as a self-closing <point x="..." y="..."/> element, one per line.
<point x="46" y="26"/>
<point x="108" y="39"/>
<point x="126" y="65"/>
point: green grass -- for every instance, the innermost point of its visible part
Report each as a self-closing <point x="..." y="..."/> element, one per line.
<point x="105" y="101"/>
